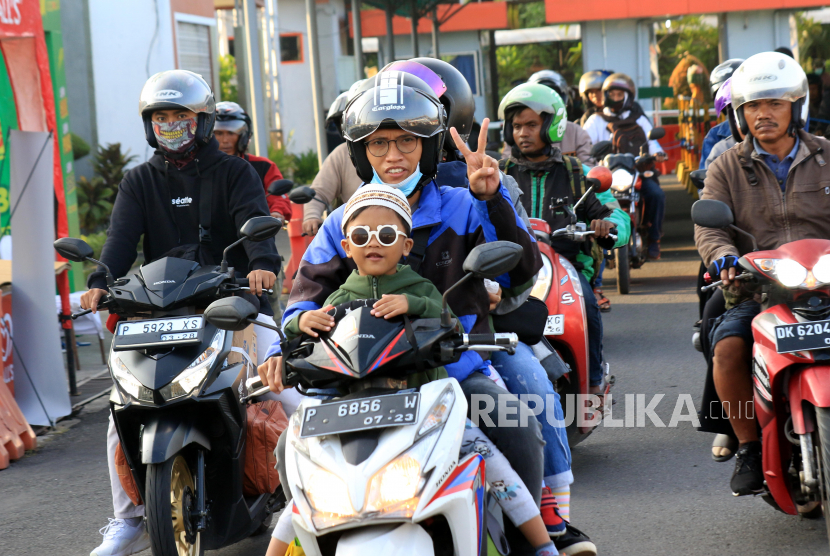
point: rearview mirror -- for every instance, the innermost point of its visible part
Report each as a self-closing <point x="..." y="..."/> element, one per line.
<point x="301" y="195"/>
<point x="709" y="213"/>
<point x="73" y="249"/>
<point x="490" y="260"/>
<point x="698" y="177"/>
<point x="600" y="149"/>
<point x="260" y="228"/>
<point x="230" y="313"/>
<point x="656" y="133"/>
<point x="600" y="177"/>
<point x="280" y="187"/>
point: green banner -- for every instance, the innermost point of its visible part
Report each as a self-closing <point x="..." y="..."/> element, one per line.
<point x="8" y="121"/>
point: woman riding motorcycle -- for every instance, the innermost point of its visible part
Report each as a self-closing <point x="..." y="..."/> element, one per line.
<point x="402" y="114"/>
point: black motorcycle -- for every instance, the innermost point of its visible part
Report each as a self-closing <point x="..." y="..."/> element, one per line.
<point x="178" y="404"/>
<point x="627" y="172"/>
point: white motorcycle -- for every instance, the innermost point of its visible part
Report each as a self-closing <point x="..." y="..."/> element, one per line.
<point x="377" y="471"/>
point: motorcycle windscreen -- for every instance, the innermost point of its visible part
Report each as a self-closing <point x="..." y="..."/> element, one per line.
<point x="360" y="344"/>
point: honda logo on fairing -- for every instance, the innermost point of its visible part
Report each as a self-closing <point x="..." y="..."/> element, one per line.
<point x="164" y="282"/>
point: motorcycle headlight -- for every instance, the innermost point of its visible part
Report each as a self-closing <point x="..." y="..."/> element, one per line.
<point x="196" y="372"/>
<point x="822" y="269"/>
<point x="541" y="288"/>
<point x="439" y="411"/>
<point x="395" y="490"/>
<point x="790" y="273"/>
<point x="128" y="382"/>
<point x="327" y="493"/>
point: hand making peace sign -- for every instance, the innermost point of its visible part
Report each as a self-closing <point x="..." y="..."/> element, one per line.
<point x="482" y="170"/>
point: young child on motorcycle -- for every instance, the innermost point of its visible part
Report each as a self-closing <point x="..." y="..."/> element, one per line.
<point x="377" y="223"/>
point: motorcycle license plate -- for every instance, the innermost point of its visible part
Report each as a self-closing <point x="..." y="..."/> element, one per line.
<point x="804" y="336"/>
<point x="174" y="331"/>
<point x="336" y="417"/>
<point x="555" y="325"/>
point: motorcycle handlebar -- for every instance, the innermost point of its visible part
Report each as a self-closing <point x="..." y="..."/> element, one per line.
<point x="506" y="339"/>
<point x="245" y="286"/>
<point x="714" y="285"/>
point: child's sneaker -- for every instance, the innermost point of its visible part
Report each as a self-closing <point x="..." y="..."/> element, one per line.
<point x="554" y="523"/>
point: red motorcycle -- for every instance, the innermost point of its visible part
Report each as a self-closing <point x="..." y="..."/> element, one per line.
<point x="791" y="364"/>
<point x="566" y="328"/>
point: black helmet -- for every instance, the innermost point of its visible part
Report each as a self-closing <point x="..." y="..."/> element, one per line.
<point x="178" y="89"/>
<point x="395" y="99"/>
<point x="621" y="82"/>
<point x="335" y="114"/>
<point x="554" y="80"/>
<point x="723" y="72"/>
<point x="231" y="117"/>
<point x="457" y="99"/>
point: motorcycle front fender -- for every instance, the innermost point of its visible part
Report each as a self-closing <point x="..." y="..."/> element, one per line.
<point x="811" y="385"/>
<point x="163" y="437"/>
<point x="406" y="539"/>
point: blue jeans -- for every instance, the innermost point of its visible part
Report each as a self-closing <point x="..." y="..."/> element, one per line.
<point x="594" y="332"/>
<point x="598" y="277"/>
<point x="655" y="208"/>
<point x="523" y="374"/>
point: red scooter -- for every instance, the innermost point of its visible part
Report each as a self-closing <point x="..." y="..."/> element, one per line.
<point x="566" y="328"/>
<point x="791" y="364"/>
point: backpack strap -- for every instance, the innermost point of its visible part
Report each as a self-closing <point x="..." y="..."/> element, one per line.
<point x="419" y="248"/>
<point x="575" y="175"/>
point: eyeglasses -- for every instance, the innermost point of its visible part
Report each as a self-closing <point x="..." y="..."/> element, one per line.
<point x="386" y="234"/>
<point x="379" y="147"/>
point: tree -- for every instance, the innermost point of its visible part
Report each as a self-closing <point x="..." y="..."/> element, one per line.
<point x="227" y="78"/>
<point x="518" y="62"/>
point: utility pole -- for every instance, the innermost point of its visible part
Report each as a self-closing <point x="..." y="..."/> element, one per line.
<point x="415" y="53"/>
<point x="316" y="78"/>
<point x="252" y="75"/>
<point x="435" y="33"/>
<point x="390" y="34"/>
<point x="358" y="39"/>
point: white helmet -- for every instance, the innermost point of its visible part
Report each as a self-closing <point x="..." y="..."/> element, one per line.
<point x="771" y="75"/>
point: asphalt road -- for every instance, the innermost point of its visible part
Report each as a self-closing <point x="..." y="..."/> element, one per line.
<point x="638" y="491"/>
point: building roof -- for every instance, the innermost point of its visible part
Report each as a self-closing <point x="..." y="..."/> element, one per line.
<point x="467" y="17"/>
<point x="566" y="11"/>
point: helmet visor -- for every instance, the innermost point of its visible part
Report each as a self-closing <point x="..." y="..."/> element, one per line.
<point x="760" y="90"/>
<point x="419" y="70"/>
<point x="390" y="102"/>
<point x="234" y="126"/>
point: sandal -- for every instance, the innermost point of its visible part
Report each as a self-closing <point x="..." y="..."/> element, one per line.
<point x="603" y="302"/>
<point x="724" y="441"/>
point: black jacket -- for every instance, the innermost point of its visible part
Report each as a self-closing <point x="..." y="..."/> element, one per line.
<point x="557" y="191"/>
<point x="161" y="202"/>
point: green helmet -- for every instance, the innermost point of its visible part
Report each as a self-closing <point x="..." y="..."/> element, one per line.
<point x="542" y="100"/>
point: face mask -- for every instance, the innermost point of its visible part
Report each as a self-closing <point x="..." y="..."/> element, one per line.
<point x="407" y="186"/>
<point x="175" y="137"/>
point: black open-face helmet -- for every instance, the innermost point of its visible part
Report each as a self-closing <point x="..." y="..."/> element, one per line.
<point x="395" y="99"/>
<point x="178" y="89"/>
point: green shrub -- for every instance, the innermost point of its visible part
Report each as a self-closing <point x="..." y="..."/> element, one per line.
<point x="97" y="196"/>
<point x="306" y="167"/>
<point x="80" y="148"/>
<point x="227" y="78"/>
